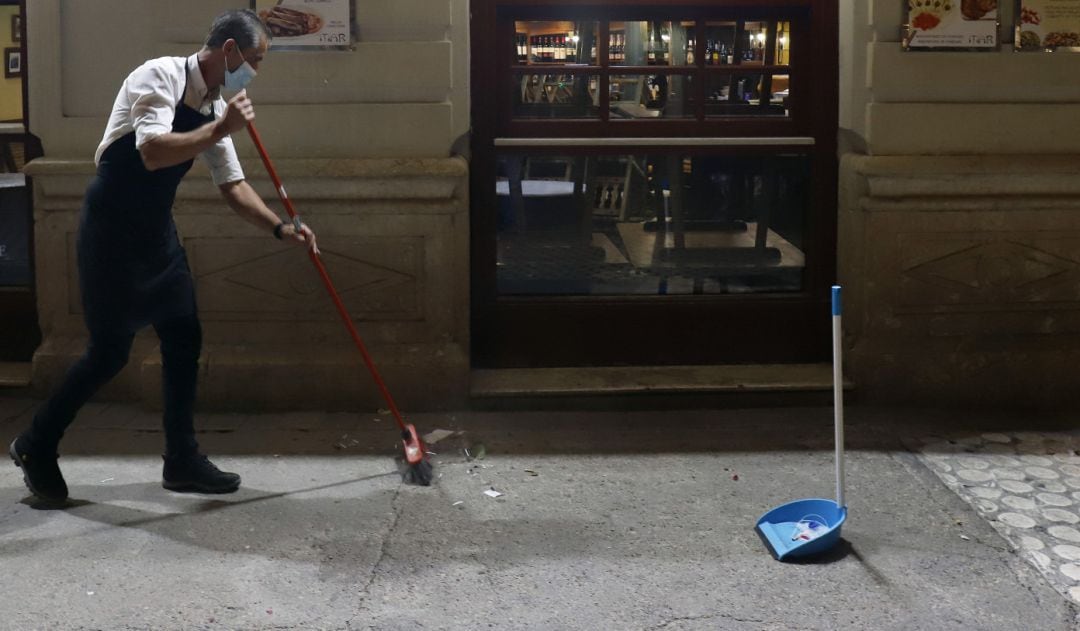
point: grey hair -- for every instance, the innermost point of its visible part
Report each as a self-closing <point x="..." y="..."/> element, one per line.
<point x="243" y="25"/>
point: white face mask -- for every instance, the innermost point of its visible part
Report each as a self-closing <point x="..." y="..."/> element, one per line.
<point x="238" y="79"/>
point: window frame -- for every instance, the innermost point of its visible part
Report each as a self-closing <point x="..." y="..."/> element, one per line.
<point x="800" y="70"/>
<point x="577" y="330"/>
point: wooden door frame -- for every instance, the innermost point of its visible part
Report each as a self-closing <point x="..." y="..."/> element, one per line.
<point x="18" y="306"/>
<point x="577" y="318"/>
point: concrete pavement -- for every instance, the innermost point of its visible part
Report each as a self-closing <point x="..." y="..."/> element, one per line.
<point x="606" y="520"/>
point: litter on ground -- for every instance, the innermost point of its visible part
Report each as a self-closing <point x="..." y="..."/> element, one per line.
<point x="435" y="436"/>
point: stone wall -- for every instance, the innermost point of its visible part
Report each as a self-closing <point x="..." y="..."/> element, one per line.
<point x="959" y="219"/>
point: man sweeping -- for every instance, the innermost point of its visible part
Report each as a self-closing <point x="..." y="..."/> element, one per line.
<point x="133" y="271"/>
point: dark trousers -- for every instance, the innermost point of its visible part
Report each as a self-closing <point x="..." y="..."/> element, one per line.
<point x="106" y="354"/>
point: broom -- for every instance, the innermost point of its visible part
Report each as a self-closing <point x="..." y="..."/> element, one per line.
<point x="420" y="470"/>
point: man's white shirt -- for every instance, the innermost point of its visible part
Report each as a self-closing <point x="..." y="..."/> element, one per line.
<point x="147" y="102"/>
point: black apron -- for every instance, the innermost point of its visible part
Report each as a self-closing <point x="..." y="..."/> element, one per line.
<point x="132" y="269"/>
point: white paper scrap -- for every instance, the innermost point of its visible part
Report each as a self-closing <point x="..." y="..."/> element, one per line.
<point x="492" y="493"/>
<point x="435" y="436"/>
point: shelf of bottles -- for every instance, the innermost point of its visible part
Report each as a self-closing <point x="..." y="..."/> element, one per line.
<point x="553" y="60"/>
<point x="746" y="65"/>
<point x="556" y="43"/>
<point x="651" y="68"/>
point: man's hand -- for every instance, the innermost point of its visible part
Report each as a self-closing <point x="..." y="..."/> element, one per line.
<point x="238" y="113"/>
<point x="304" y="237"/>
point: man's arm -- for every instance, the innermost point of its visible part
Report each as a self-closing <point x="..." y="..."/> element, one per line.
<point x="246" y="202"/>
<point x="171" y="149"/>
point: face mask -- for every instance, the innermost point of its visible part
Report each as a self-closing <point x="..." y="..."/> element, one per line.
<point x="238" y="79"/>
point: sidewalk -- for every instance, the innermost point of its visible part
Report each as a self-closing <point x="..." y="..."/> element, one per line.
<point x="607" y="520"/>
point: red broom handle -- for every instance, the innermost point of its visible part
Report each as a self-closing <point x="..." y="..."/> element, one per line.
<point x="326" y="279"/>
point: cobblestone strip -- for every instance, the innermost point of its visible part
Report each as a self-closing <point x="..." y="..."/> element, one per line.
<point x="1027" y="485"/>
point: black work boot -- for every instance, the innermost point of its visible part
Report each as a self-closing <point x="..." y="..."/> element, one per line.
<point x="196" y="473"/>
<point x="40" y="471"/>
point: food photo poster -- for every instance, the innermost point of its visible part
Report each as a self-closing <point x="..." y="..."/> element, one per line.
<point x="307" y="24"/>
<point x="952" y="24"/>
<point x="1048" y="25"/>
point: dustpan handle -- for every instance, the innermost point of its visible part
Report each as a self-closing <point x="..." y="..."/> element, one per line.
<point x="838" y="393"/>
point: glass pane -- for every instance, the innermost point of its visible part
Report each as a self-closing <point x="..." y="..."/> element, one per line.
<point x="648" y="43"/>
<point x="783" y="43"/>
<point x="651" y="96"/>
<point x="746" y="95"/>
<point x="728" y="43"/>
<point x="556" y="42"/>
<point x="650" y="224"/>
<point x="719" y="43"/>
<point x="755" y="37"/>
<point x="556" y="96"/>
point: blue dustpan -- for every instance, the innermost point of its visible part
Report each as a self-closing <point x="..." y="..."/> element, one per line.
<point x="806" y="527"/>
<point x="801" y="528"/>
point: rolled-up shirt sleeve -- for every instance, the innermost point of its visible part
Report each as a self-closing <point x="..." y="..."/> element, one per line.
<point x="221" y="158"/>
<point x="223" y="163"/>
<point x="153" y="95"/>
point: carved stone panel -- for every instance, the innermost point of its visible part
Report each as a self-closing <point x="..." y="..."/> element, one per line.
<point x="988" y="271"/>
<point x="377" y="278"/>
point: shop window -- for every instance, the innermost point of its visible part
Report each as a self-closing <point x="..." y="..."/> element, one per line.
<point x="663" y="223"/>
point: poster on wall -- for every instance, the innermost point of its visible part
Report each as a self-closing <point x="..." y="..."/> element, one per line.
<point x="952" y="25"/>
<point x="12" y="63"/>
<point x="307" y="24"/>
<point x="1048" y="25"/>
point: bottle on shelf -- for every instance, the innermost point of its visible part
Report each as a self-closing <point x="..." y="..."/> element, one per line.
<point x="690" y="52"/>
<point x="560" y="49"/>
<point x="730" y="57"/>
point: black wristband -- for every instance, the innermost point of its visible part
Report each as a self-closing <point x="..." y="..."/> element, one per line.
<point x="277" y="230"/>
